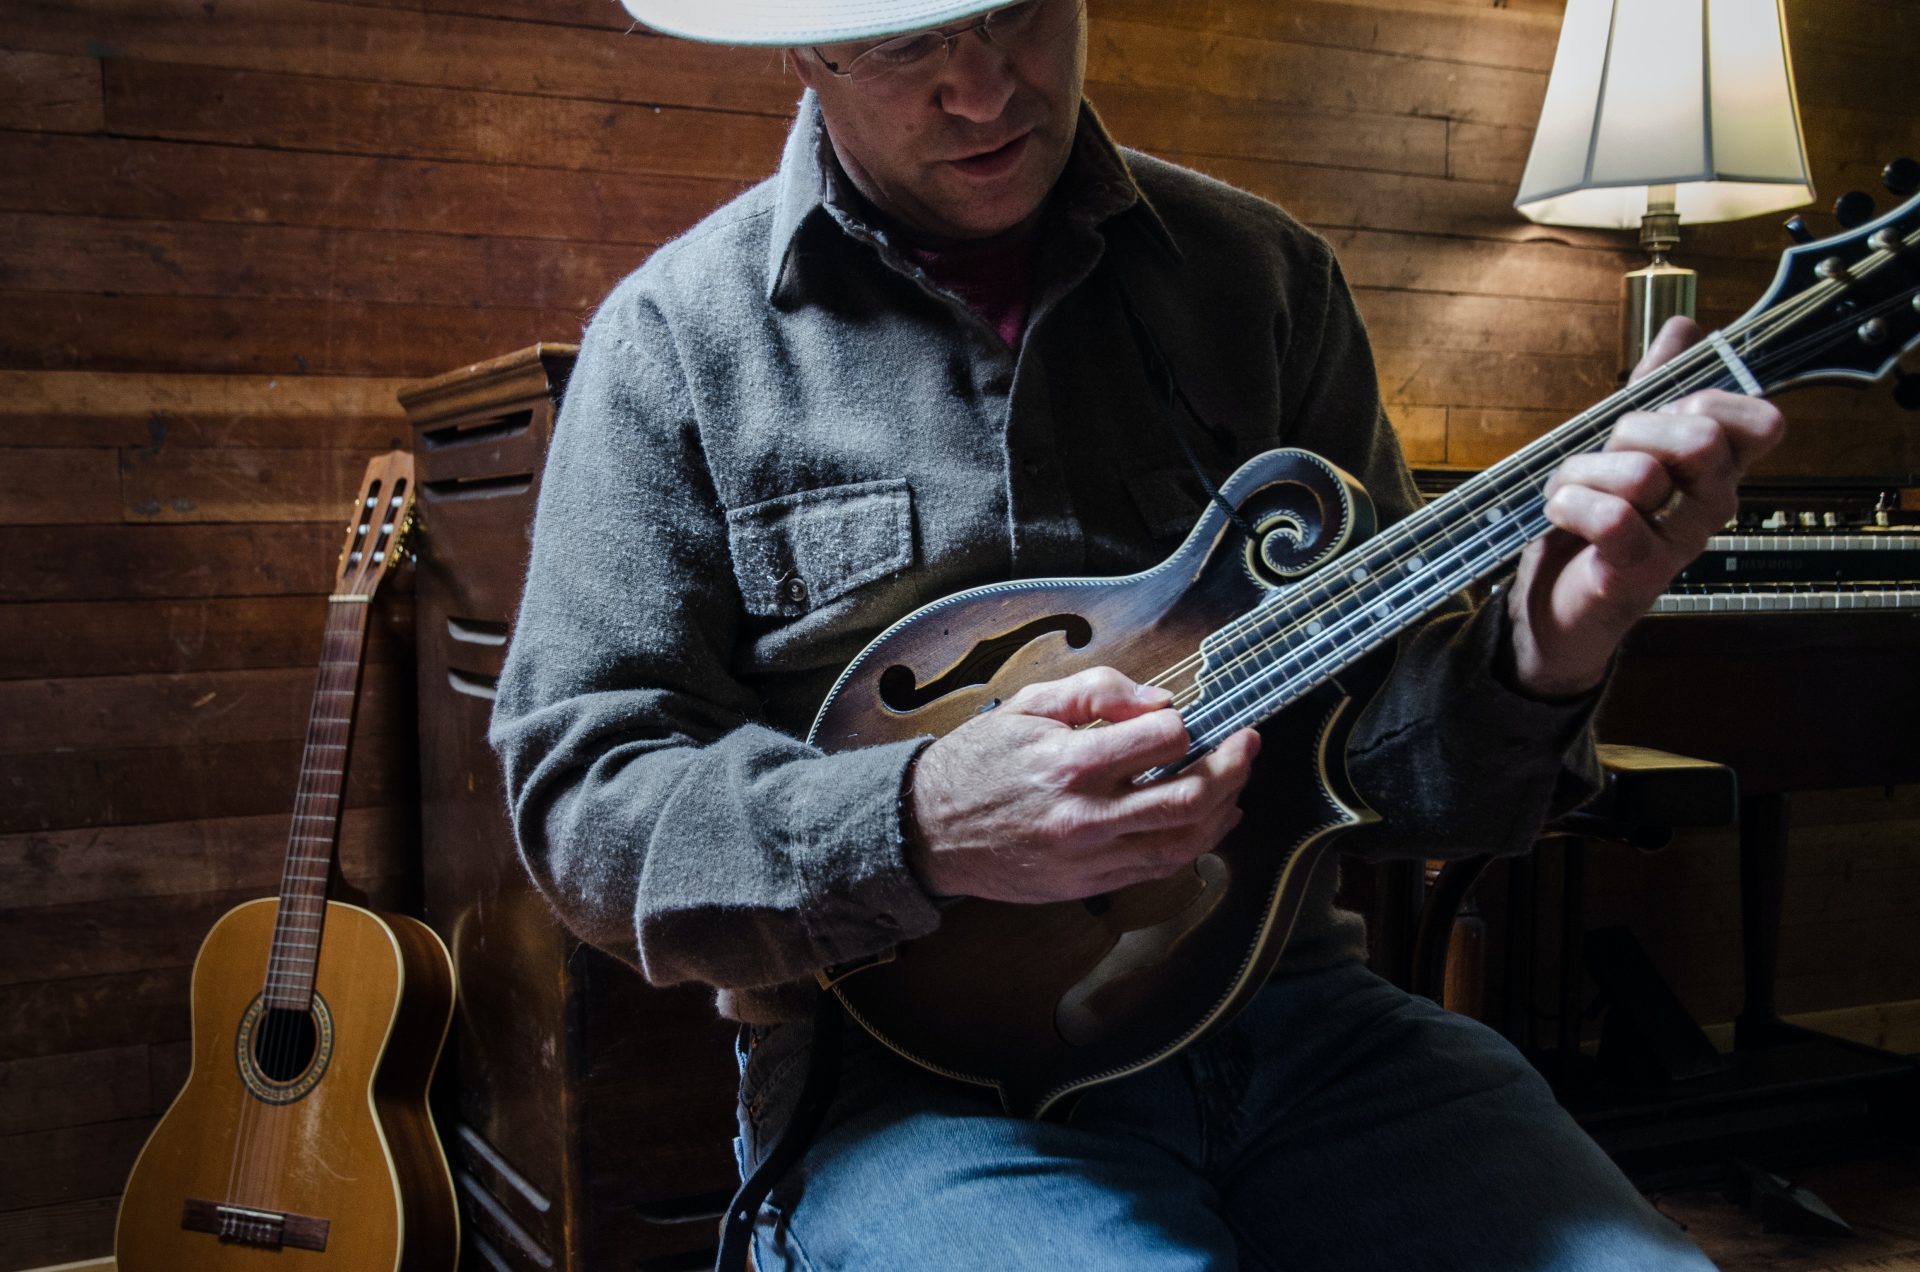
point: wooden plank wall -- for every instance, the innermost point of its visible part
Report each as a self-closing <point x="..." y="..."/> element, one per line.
<point x="228" y="232"/>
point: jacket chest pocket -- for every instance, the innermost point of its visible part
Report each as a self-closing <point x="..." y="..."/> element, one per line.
<point x="801" y="551"/>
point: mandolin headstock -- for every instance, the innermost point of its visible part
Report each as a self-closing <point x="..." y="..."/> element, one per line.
<point x="1844" y="309"/>
<point x="376" y="532"/>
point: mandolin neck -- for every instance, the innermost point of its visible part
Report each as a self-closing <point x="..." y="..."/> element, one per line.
<point x="295" y="951"/>
<point x="1305" y="634"/>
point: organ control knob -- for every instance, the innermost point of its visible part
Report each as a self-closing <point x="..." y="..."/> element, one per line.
<point x="1809" y="521"/>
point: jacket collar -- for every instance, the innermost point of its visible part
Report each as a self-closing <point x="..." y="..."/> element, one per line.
<point x="1096" y="186"/>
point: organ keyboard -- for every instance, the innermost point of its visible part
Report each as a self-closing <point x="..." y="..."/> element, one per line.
<point x="1837" y="545"/>
<point x="1873" y="569"/>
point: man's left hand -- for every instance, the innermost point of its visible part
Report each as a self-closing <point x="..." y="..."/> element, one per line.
<point x="1626" y="519"/>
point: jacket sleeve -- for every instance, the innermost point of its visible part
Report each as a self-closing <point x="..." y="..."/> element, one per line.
<point x="1455" y="760"/>
<point x="661" y="821"/>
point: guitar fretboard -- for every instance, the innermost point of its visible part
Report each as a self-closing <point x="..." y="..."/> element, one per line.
<point x="295" y="953"/>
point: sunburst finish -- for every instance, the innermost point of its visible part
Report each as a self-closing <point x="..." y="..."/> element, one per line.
<point x="1042" y="1001"/>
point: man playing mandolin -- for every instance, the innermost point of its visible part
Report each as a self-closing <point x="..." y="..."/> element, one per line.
<point x="961" y="337"/>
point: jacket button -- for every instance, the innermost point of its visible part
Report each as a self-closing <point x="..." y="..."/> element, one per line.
<point x="794" y="591"/>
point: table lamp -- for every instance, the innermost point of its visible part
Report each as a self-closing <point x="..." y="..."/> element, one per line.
<point x="1660" y="111"/>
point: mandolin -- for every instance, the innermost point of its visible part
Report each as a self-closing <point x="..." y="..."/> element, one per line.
<point x="302" y="1138"/>
<point x="1276" y="629"/>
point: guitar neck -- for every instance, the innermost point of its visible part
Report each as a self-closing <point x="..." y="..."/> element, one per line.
<point x="295" y="950"/>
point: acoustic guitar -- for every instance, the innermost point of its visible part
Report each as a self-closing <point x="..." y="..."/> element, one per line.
<point x="1275" y="630"/>
<point x="302" y="1138"/>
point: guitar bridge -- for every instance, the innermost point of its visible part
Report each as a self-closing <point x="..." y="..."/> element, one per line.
<point x="251" y="1226"/>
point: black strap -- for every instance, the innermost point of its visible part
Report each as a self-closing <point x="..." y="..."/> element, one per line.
<point x="816" y="1093"/>
<point x="1160" y="376"/>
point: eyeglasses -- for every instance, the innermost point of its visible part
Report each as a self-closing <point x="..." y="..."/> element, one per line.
<point x="1027" y="24"/>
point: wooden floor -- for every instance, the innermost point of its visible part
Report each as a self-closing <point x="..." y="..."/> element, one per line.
<point x="1880" y="1198"/>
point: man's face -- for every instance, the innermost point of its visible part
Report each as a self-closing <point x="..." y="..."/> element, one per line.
<point x="968" y="145"/>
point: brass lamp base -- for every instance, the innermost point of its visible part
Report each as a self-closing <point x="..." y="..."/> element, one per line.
<point x="1650" y="296"/>
<point x="1658" y="292"/>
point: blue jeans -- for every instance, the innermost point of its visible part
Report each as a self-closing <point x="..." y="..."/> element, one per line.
<point x="1336" y="1124"/>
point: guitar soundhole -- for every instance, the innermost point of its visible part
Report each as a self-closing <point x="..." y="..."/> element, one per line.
<point x="282" y="1052"/>
<point x="283" y="1044"/>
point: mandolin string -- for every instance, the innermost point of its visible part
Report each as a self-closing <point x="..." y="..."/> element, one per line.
<point x="1565" y="440"/>
<point x="1455" y="567"/>
<point x="1551" y="456"/>
<point x="1762" y="325"/>
<point x="1251" y="623"/>
<point x="1772" y="320"/>
<point x="1676" y="379"/>
<point x="1257" y="618"/>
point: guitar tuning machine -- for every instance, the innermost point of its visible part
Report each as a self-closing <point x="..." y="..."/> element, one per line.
<point x="1902" y="177"/>
<point x="1797" y="230"/>
<point x="404" y="543"/>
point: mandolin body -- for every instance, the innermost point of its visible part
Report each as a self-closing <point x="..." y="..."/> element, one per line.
<point x="347" y="1140"/>
<point x="1043" y="1001"/>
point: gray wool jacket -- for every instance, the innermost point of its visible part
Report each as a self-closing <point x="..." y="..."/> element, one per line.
<point x="781" y="436"/>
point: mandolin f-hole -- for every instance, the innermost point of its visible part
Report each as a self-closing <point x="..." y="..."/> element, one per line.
<point x="900" y="687"/>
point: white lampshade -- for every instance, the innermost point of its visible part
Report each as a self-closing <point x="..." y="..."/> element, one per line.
<point x="1695" y="94"/>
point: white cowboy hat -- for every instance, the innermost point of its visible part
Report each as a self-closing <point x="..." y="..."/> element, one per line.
<point x="791" y="23"/>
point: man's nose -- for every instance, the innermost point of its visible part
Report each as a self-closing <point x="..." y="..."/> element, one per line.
<point x="977" y="80"/>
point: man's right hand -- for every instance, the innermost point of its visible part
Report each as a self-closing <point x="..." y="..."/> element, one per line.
<point x="1020" y="805"/>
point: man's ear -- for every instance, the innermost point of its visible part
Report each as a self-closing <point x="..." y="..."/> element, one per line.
<point x="800" y="64"/>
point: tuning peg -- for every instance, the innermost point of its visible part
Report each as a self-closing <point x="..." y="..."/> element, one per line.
<point x="1797" y="230"/>
<point x="1853" y="208"/>
<point x="1906" y="391"/>
<point x="1902" y="176"/>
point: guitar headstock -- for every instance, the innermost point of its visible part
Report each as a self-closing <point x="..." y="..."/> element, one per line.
<point x="376" y="533"/>
<point x="1844" y="309"/>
